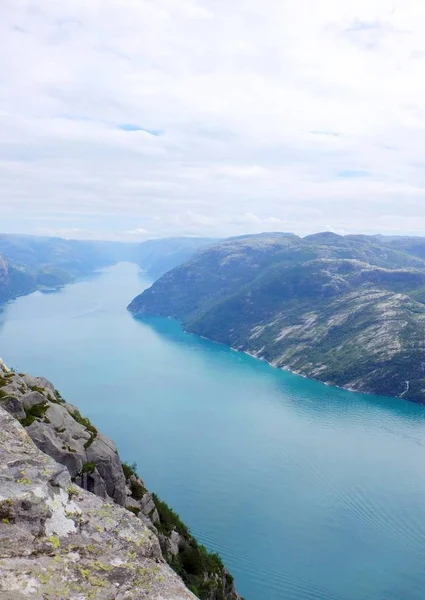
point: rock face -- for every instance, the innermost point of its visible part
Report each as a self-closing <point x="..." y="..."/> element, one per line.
<point x="58" y="541"/>
<point x="80" y="460"/>
<point x="347" y="310"/>
<point x="60" y="431"/>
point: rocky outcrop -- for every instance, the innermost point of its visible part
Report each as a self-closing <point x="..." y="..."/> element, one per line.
<point x="58" y="541"/>
<point x="87" y="461"/>
<point x="58" y="429"/>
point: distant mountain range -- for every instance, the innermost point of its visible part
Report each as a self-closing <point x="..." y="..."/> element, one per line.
<point x="158" y="256"/>
<point x="346" y="310"/>
<point x="28" y="263"/>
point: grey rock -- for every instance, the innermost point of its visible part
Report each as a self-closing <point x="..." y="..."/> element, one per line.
<point x="13" y="406"/>
<point x="32" y="399"/>
<point x="147" y="504"/>
<point x="175" y="540"/>
<point x="65" y="439"/>
<point x="92" y="482"/>
<point x="59" y="541"/>
<point x="56" y="446"/>
<point x="104" y="453"/>
<point x="40" y="382"/>
<point x="91" y="461"/>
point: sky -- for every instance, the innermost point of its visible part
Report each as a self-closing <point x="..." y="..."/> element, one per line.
<point x="133" y="119"/>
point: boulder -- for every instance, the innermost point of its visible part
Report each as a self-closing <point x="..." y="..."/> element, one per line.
<point x="13" y="406"/>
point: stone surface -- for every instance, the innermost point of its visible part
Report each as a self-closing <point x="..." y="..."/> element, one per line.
<point x="64" y="435"/>
<point x="86" y="459"/>
<point x="58" y="541"/>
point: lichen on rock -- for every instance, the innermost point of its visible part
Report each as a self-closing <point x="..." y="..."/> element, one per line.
<point x="59" y="541"/>
<point x="68" y="505"/>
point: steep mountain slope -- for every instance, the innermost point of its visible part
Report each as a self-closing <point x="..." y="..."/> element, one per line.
<point x="158" y="256"/>
<point x="346" y="310"/>
<point x="117" y="550"/>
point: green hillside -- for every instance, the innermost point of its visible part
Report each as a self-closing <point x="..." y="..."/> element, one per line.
<point x="349" y="311"/>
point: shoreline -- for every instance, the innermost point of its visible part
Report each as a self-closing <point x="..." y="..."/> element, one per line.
<point x="327" y="383"/>
<point x="297" y="373"/>
<point x="283" y="368"/>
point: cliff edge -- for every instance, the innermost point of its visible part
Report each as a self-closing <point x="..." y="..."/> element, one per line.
<point x="77" y="523"/>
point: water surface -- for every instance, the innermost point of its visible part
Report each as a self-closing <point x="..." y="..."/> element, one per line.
<point x="307" y="492"/>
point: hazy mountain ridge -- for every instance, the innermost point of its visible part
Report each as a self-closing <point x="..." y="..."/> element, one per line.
<point x="158" y="256"/>
<point x="31" y="262"/>
<point x="14" y="280"/>
<point x="28" y="263"/>
<point x="348" y="310"/>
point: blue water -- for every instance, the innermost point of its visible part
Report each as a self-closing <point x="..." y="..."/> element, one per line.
<point x="307" y="492"/>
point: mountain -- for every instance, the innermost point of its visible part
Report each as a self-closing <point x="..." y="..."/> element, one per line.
<point x="158" y="256"/>
<point x="28" y="263"/>
<point x="76" y="522"/>
<point x="346" y="310"/>
<point x="15" y="280"/>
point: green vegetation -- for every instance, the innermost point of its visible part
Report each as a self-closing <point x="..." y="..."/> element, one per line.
<point x="35" y="412"/>
<point x="202" y="571"/>
<point x="3" y="383"/>
<point x="37" y="388"/>
<point x="88" y="467"/>
<point x="134" y="510"/>
<point x="59" y="397"/>
<point x="130" y="473"/>
<point x="137" y="490"/>
<point x="85" y="422"/>
<point x="169" y="520"/>
<point x="129" y="470"/>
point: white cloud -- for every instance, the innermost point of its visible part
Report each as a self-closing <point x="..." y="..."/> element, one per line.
<point x="137" y="232"/>
<point x="240" y="116"/>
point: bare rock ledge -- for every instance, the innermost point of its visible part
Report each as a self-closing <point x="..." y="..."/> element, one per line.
<point x="60" y="541"/>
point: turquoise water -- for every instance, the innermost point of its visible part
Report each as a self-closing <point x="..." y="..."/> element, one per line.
<point x="308" y="492"/>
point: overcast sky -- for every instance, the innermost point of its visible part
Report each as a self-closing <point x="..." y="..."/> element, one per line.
<point x="132" y="119"/>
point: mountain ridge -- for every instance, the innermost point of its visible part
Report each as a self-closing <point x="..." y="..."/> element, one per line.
<point x="346" y="310"/>
<point x="29" y="263"/>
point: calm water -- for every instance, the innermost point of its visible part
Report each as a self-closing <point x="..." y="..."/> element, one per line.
<point x="308" y="492"/>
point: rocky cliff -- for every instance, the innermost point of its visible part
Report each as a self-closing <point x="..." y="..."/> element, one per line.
<point x="58" y="540"/>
